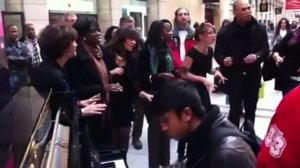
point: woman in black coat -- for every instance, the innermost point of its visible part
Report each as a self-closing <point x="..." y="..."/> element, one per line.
<point x="122" y="55"/>
<point x="88" y="75"/>
<point x="59" y="43"/>
<point x="286" y="57"/>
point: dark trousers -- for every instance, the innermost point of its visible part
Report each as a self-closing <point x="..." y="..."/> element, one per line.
<point x="121" y="138"/>
<point x="158" y="141"/>
<point x="243" y="93"/>
<point x="289" y="85"/>
<point x="138" y="121"/>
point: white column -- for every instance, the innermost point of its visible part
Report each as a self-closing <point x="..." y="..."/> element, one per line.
<point x="104" y="11"/>
<point x="109" y="13"/>
<point x="36" y="12"/>
<point x="225" y="10"/>
<point x="156" y="9"/>
<point x="14" y="5"/>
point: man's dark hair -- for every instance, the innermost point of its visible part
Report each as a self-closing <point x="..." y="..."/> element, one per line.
<point x="28" y="24"/>
<point x="54" y="40"/>
<point x="9" y="26"/>
<point x="166" y="21"/>
<point x="86" y="25"/>
<point x="177" y="95"/>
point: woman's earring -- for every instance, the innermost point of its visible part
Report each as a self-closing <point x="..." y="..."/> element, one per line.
<point x="84" y="38"/>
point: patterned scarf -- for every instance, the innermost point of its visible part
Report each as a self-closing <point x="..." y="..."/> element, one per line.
<point x="154" y="60"/>
<point x="96" y="56"/>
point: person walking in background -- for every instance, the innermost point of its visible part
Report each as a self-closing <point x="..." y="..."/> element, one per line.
<point x="285" y="56"/>
<point x="240" y="49"/>
<point x="155" y="68"/>
<point x="272" y="66"/>
<point x="282" y="29"/>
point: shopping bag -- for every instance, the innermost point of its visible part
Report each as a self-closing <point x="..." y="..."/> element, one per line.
<point x="261" y="92"/>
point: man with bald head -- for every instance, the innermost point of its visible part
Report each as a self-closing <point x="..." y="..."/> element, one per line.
<point x="241" y="47"/>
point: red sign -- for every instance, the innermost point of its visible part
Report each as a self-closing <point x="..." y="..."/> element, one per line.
<point x="292" y="4"/>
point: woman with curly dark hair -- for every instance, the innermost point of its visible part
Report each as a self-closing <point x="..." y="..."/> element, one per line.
<point x="282" y="29"/>
<point x="58" y="42"/>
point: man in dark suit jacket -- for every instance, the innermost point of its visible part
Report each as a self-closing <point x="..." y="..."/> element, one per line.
<point x="241" y="47"/>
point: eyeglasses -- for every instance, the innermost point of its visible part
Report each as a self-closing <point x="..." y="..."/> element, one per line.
<point x="71" y="20"/>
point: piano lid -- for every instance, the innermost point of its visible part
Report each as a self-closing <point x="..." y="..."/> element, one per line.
<point x="38" y="137"/>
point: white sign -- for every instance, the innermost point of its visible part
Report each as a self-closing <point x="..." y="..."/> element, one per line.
<point x="73" y="5"/>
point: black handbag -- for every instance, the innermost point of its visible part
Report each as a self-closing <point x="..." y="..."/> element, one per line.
<point x="269" y="69"/>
